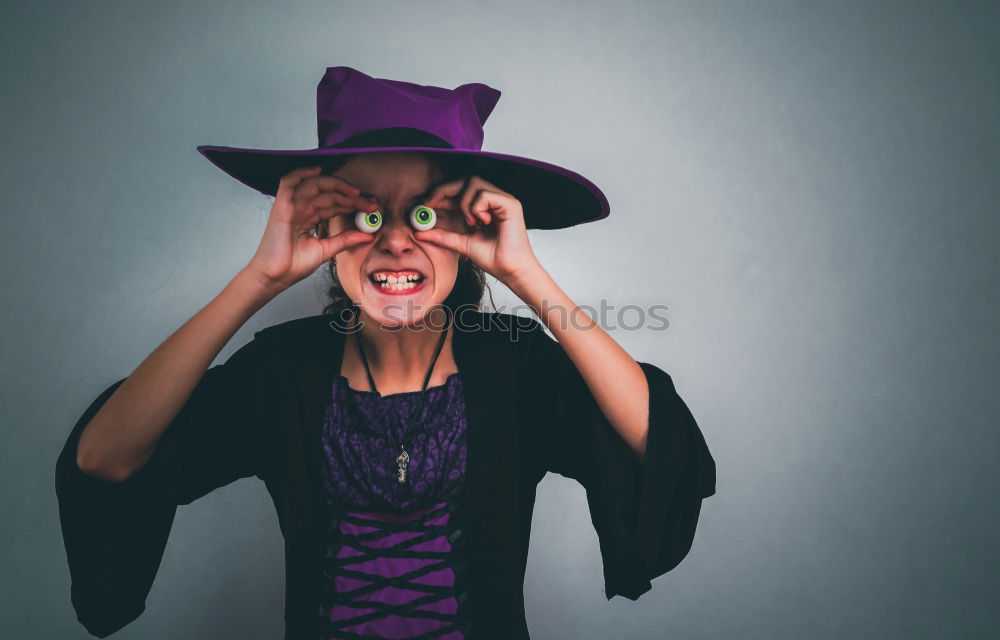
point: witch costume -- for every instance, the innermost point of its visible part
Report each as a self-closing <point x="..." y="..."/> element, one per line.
<point x="432" y="544"/>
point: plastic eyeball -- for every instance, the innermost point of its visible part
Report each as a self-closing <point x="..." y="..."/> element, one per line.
<point x="423" y="218"/>
<point x="368" y="221"/>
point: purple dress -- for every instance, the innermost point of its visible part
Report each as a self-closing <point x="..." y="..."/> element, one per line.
<point x="394" y="565"/>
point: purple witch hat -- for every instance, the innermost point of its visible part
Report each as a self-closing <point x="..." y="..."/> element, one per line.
<point x="357" y="113"/>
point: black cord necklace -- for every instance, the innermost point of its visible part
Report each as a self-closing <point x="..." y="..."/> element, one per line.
<point x="403" y="459"/>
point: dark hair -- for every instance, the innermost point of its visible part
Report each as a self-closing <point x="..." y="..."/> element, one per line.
<point x="470" y="282"/>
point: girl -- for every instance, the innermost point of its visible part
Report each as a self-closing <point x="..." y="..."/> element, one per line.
<point x="402" y="432"/>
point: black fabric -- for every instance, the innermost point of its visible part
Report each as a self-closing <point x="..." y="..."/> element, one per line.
<point x="644" y="512"/>
<point x="259" y="414"/>
<point x="115" y="533"/>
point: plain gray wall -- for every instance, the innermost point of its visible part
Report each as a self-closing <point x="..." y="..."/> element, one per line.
<point x="811" y="187"/>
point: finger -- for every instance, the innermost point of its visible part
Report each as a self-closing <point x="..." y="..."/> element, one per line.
<point x="349" y="208"/>
<point x="473" y="193"/>
<point x="327" y="199"/>
<point x="466" y="205"/>
<point x="447" y="196"/>
<point x="482" y="183"/>
<point x="288" y="182"/>
<point x="314" y="186"/>
<point x="335" y="183"/>
<point x="493" y="204"/>
<point x="311" y="213"/>
<point x="325" y="206"/>
<point x="446" y="191"/>
<point x="468" y="219"/>
<point x="475" y="187"/>
<point x="485" y="204"/>
<point x="457" y="242"/>
<point x="345" y="240"/>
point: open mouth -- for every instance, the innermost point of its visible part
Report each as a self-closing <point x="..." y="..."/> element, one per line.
<point x="397" y="281"/>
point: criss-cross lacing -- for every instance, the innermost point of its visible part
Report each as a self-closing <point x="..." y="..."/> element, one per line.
<point x="366" y="536"/>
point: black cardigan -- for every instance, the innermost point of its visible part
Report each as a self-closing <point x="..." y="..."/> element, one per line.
<point x="259" y="414"/>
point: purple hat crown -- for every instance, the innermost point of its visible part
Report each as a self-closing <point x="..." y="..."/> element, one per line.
<point x="349" y="103"/>
<point x="357" y="114"/>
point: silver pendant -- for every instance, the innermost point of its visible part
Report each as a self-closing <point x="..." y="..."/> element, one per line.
<point x="402" y="461"/>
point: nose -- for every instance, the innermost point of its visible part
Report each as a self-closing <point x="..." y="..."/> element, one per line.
<point x="395" y="237"/>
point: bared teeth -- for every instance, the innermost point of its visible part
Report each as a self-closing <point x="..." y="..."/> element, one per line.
<point x="396" y="286"/>
<point x="388" y="276"/>
<point x="397" y="280"/>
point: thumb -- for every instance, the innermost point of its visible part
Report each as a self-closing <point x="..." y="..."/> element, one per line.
<point x="329" y="247"/>
<point x="457" y="242"/>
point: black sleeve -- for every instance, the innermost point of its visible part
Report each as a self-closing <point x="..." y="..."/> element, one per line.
<point x="645" y="513"/>
<point x="115" y="533"/>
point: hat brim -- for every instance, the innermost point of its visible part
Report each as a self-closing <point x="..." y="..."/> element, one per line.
<point x="551" y="196"/>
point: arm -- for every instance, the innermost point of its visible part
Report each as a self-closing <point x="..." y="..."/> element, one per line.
<point x="596" y="415"/>
<point x="122" y="435"/>
<point x="173" y="431"/>
<point x="115" y="529"/>
<point x="496" y="239"/>
<point x="615" y="379"/>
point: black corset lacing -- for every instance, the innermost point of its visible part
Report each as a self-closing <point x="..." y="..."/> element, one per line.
<point x="332" y="566"/>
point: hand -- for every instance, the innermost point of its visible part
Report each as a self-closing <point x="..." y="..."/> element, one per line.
<point x="498" y="240"/>
<point x="289" y="251"/>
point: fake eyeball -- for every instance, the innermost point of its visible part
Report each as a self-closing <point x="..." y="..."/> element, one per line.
<point x="368" y="221"/>
<point x="423" y="218"/>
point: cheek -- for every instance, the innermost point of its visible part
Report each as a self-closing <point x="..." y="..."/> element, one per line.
<point x="445" y="271"/>
<point x="349" y="270"/>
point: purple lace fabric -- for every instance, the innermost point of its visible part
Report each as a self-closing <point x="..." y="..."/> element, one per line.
<point x="396" y="565"/>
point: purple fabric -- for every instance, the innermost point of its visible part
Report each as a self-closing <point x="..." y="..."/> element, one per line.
<point x="350" y="103"/>
<point x="391" y="530"/>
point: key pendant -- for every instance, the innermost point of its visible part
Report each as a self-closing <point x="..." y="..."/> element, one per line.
<point x="402" y="461"/>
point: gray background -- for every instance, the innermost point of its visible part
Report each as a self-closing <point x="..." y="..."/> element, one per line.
<point x="810" y="187"/>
